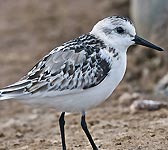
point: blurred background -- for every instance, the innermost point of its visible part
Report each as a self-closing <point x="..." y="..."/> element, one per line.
<point x="29" y="29"/>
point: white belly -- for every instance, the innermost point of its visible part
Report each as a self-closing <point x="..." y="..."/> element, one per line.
<point x="88" y="98"/>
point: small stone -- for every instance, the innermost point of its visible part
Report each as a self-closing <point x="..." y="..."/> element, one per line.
<point x="126" y="99"/>
<point x="40" y="140"/>
<point x="147" y="105"/>
<point x="19" y="135"/>
<point x="135" y="96"/>
<point x="118" y="143"/>
<point x="54" y="142"/>
<point x="152" y="134"/>
<point x="2" y="135"/>
<point x="33" y="117"/>
<point x="16" y="143"/>
<point x="24" y="147"/>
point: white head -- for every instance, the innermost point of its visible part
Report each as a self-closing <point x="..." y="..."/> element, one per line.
<point x="119" y="32"/>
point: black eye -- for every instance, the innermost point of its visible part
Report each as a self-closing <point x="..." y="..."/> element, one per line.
<point x="120" y="30"/>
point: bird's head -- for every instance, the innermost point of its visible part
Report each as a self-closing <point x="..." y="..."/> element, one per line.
<point x="119" y="32"/>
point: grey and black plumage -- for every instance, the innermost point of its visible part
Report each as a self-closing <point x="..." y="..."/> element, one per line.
<point x="77" y="64"/>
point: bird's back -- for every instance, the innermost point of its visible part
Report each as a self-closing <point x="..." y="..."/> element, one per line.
<point x="77" y="65"/>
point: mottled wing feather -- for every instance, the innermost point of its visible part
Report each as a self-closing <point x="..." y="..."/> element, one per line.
<point x="77" y="64"/>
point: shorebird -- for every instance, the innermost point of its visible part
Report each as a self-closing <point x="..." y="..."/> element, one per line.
<point x="81" y="73"/>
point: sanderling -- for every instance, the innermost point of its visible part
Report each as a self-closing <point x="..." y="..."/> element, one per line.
<point x="81" y="73"/>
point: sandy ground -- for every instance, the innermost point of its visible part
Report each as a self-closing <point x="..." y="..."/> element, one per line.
<point x="28" y="30"/>
<point x="113" y="128"/>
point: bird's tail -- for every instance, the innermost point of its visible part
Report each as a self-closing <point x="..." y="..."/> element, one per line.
<point x="15" y="90"/>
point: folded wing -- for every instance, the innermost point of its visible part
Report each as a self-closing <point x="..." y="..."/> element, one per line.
<point x="75" y="66"/>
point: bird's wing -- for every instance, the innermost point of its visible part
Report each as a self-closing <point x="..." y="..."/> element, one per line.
<point x="76" y="65"/>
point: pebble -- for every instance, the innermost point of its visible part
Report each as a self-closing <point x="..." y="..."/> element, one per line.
<point x="19" y="135"/>
<point x="147" y="105"/>
<point x="16" y="144"/>
<point x="38" y="140"/>
<point x="24" y="147"/>
<point x="126" y="99"/>
<point x="2" y="135"/>
<point x="55" y="142"/>
<point x="118" y="143"/>
<point x="152" y="134"/>
<point x="32" y="117"/>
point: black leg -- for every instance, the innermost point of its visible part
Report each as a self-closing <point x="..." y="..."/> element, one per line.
<point x="85" y="129"/>
<point x="62" y="123"/>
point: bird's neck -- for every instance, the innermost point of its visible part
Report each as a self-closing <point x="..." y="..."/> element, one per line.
<point x="112" y="43"/>
<point x="111" y="50"/>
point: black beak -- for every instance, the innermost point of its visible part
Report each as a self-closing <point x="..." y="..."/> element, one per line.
<point x="140" y="41"/>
